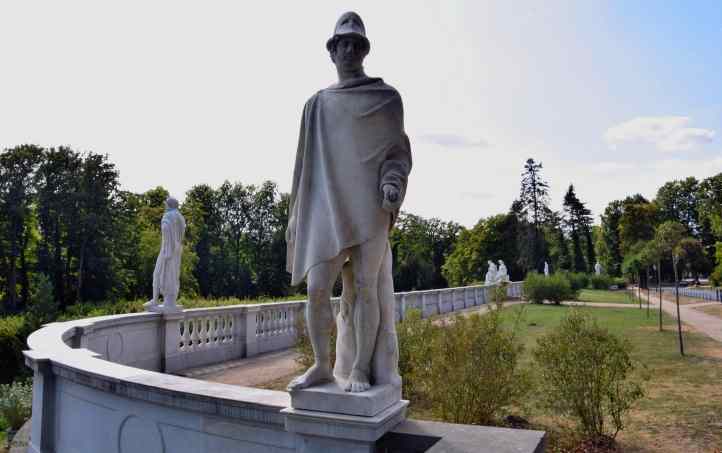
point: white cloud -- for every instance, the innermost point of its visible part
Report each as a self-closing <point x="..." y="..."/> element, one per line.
<point x="666" y="133"/>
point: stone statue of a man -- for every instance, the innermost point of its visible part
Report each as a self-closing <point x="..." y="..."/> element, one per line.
<point x="166" y="275"/>
<point x="502" y="274"/>
<point x="349" y="181"/>
<point x="490" y="278"/>
<point x="546" y="269"/>
<point x="598" y="268"/>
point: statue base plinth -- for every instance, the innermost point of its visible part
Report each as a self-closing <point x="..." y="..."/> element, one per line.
<point x="331" y="397"/>
<point x="327" y="418"/>
<point x="161" y="308"/>
<point x="338" y="433"/>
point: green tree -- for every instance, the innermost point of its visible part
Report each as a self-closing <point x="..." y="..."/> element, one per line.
<point x="637" y="223"/>
<point x="611" y="259"/>
<point x="576" y="220"/>
<point x="534" y="205"/>
<point x="17" y="172"/>
<point x="669" y="235"/>
<point x="490" y="239"/>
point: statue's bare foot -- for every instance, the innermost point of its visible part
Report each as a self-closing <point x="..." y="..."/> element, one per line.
<point x="357" y="382"/>
<point x="317" y="374"/>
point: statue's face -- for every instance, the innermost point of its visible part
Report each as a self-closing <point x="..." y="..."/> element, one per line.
<point x="349" y="53"/>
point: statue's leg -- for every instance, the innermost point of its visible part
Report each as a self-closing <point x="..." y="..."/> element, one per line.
<point x="319" y="319"/>
<point x="385" y="363"/>
<point x="345" y="339"/>
<point x="366" y="259"/>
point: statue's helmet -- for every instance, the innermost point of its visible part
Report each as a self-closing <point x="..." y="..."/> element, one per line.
<point x="349" y="24"/>
<point x="171" y="203"/>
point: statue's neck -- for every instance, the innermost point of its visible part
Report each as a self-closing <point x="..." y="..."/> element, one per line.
<point x="346" y="75"/>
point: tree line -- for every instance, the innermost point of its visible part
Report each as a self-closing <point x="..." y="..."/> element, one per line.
<point x="631" y="228"/>
<point x="66" y="224"/>
<point x="529" y="235"/>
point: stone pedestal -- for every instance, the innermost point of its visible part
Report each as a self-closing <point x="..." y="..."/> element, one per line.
<point x="327" y="419"/>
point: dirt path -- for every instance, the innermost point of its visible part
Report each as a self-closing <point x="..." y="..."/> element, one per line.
<point x="700" y="321"/>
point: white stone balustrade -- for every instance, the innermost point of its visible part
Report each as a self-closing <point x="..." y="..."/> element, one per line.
<point x="110" y="379"/>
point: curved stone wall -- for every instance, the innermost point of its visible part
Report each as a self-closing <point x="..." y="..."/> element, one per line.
<point x="103" y="384"/>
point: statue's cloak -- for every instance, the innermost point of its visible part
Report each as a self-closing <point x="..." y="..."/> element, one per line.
<point x="351" y="143"/>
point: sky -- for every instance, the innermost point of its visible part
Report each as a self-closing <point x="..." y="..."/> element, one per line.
<point x="615" y="97"/>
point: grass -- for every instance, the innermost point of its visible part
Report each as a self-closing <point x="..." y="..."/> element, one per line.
<point x="683" y="407"/>
<point x="605" y="296"/>
<point x="714" y="310"/>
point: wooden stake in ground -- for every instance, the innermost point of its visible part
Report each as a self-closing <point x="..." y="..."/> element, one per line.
<point x="675" y="259"/>
<point x="659" y="289"/>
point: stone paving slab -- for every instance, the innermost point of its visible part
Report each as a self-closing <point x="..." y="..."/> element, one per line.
<point x="249" y="372"/>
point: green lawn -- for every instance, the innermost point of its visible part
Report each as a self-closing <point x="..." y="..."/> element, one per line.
<point x="683" y="408"/>
<point x="603" y="295"/>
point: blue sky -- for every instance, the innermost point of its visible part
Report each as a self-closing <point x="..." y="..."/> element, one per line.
<point x="615" y="97"/>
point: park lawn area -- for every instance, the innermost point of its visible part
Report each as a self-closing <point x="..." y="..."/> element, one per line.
<point x="605" y="296"/>
<point x="682" y="411"/>
<point x="714" y="310"/>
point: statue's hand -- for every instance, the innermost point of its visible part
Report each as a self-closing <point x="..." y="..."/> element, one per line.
<point x="392" y="198"/>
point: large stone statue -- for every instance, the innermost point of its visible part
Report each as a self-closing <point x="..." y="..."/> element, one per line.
<point x="502" y="275"/>
<point x="166" y="275"/>
<point x="349" y="181"/>
<point x="490" y="278"/>
<point x="598" y="268"/>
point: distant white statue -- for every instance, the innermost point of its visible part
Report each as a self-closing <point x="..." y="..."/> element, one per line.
<point x="502" y="275"/>
<point x="166" y="276"/>
<point x="490" y="278"/>
<point x="546" y="269"/>
<point x="598" y="268"/>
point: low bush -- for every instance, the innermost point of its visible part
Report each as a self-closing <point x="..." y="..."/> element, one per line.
<point x="16" y="401"/>
<point x="14" y="331"/>
<point x="586" y="372"/>
<point x="578" y="280"/>
<point x="415" y="352"/>
<point x="601" y="281"/>
<point x="475" y="370"/>
<point x="554" y="288"/>
<point x="619" y="282"/>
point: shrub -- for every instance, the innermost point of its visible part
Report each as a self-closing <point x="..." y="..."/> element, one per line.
<point x="555" y="288"/>
<point x="415" y="352"/>
<point x="578" y="280"/>
<point x="16" y="401"/>
<point x="474" y="371"/>
<point x="601" y="281"/>
<point x="585" y="372"/>
<point x="14" y="331"/>
<point x="43" y="305"/>
<point x="620" y="282"/>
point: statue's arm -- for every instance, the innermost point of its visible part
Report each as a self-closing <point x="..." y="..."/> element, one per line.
<point x="395" y="172"/>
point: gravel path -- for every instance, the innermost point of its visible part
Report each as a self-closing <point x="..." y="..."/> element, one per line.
<point x="700" y="321"/>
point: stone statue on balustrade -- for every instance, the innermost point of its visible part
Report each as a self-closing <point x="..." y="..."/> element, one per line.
<point x="490" y="278"/>
<point x="166" y="275"/>
<point x="598" y="268"/>
<point x="502" y="275"/>
<point x="349" y="182"/>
